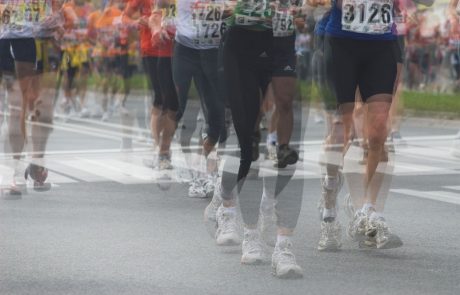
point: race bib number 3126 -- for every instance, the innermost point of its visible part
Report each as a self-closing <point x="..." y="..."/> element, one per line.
<point x="367" y="16"/>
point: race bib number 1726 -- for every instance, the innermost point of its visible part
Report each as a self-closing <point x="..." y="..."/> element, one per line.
<point x="207" y="20"/>
<point x="368" y="17"/>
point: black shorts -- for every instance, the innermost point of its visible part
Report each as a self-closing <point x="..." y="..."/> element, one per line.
<point x="367" y="64"/>
<point x="284" y="57"/>
<point x="21" y="49"/>
<point x="159" y="76"/>
<point x="400" y="49"/>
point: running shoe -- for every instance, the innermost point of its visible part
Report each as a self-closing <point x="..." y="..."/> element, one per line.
<point x="164" y="162"/>
<point x="286" y="156"/>
<point x="13" y="192"/>
<point x="37" y="175"/>
<point x="331" y="236"/>
<point x="252" y="248"/>
<point x="105" y="117"/>
<point x="284" y="265"/>
<point x="197" y="188"/>
<point x="384" y="239"/>
<point x="357" y="227"/>
<point x="85" y="113"/>
<point x="227" y="228"/>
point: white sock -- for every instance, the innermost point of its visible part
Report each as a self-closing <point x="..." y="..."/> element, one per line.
<point x="367" y="207"/>
<point x="376" y="215"/>
<point x="272" y="137"/>
<point x="231" y="210"/>
<point x="282" y="238"/>
<point x="329" y="213"/>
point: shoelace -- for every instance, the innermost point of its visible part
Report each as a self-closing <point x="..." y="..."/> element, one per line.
<point x="286" y="256"/>
<point x="228" y="224"/>
<point x="254" y="245"/>
<point x="382" y="229"/>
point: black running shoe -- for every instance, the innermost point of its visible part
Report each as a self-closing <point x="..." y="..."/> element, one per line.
<point x="38" y="174"/>
<point x="286" y="156"/>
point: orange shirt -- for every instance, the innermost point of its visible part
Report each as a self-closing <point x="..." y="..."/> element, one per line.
<point x="150" y="47"/>
<point x="107" y="33"/>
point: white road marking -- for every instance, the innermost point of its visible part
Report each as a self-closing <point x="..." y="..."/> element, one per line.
<point x="441" y="196"/>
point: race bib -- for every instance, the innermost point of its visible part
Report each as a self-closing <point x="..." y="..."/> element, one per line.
<point x="169" y="19"/>
<point x="208" y="23"/>
<point x="283" y="23"/>
<point x="21" y="13"/>
<point x="251" y="12"/>
<point x="367" y="16"/>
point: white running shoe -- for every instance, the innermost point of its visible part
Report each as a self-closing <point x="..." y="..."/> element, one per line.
<point x="284" y="265"/>
<point x="18" y="185"/>
<point x="164" y="162"/>
<point x="252" y="248"/>
<point x="105" y="117"/>
<point x="384" y="239"/>
<point x="357" y="227"/>
<point x="196" y="189"/>
<point x="209" y="186"/>
<point x="227" y="228"/>
<point x="331" y="236"/>
<point x="85" y="113"/>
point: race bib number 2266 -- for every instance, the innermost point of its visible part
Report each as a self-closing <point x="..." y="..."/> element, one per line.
<point x="368" y="17"/>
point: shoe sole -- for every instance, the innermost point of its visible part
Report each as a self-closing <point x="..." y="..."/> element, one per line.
<point x="251" y="261"/>
<point x="290" y="160"/>
<point x="330" y="248"/>
<point x="392" y="243"/>
<point x="291" y="274"/>
<point x="42" y="187"/>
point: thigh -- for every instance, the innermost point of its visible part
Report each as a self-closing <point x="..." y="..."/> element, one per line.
<point x="377" y="74"/>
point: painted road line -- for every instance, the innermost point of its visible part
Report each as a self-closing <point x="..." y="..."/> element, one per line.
<point x="441" y="196"/>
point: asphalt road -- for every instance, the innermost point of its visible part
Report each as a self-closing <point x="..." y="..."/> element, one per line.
<point x="110" y="225"/>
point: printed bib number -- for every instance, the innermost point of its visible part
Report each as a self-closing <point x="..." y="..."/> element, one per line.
<point x="369" y="17"/>
<point x="18" y="14"/>
<point x="170" y="14"/>
<point x="250" y="12"/>
<point x="283" y="23"/>
<point x="208" y="24"/>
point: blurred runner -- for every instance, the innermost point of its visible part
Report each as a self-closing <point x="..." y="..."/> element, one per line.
<point x="110" y="51"/>
<point x="258" y="48"/>
<point x="156" y="37"/>
<point x="30" y="47"/>
<point x="200" y="26"/>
